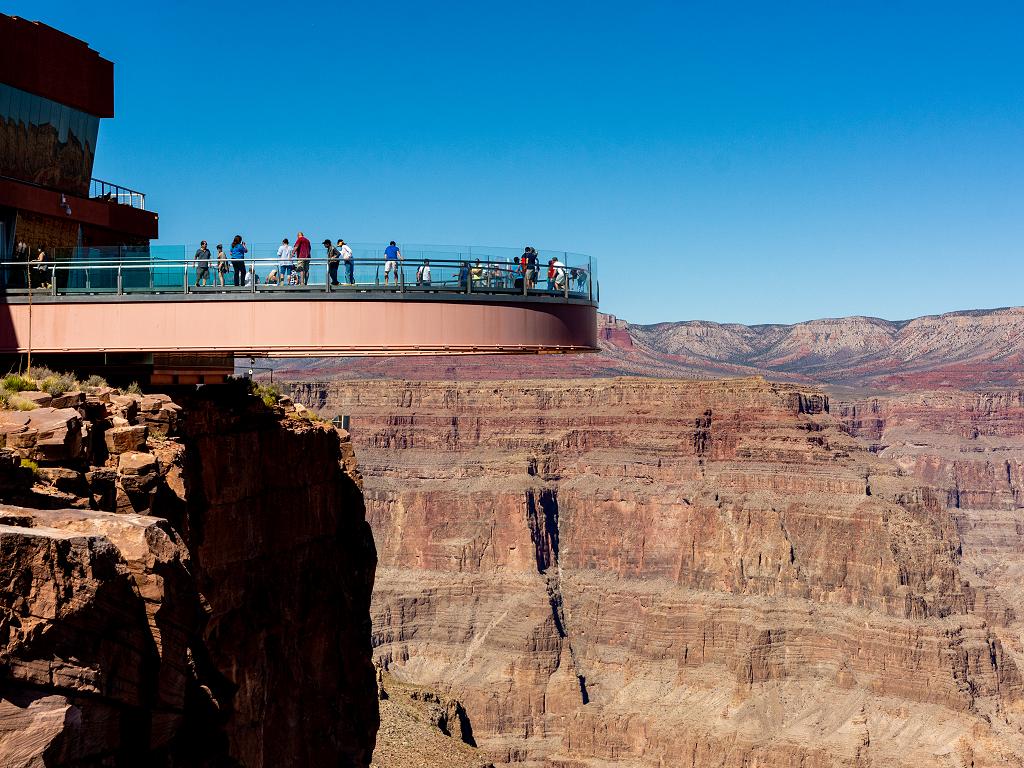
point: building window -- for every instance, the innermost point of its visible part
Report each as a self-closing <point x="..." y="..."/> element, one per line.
<point x="46" y="143"/>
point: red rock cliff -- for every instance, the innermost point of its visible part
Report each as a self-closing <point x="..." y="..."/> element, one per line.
<point x="672" y="573"/>
<point x="229" y="626"/>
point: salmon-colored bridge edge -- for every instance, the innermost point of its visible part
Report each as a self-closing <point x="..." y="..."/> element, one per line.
<point x="299" y="328"/>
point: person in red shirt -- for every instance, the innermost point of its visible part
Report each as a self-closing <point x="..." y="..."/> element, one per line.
<point x="302" y="252"/>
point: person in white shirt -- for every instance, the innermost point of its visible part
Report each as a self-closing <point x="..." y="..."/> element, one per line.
<point x="423" y="274"/>
<point x="286" y="260"/>
<point x="348" y="261"/>
<point x="559" y="268"/>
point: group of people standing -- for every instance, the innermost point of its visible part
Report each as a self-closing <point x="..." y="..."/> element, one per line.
<point x="557" y="273"/>
<point x="292" y="268"/>
<point x="222" y="264"/>
<point x="293" y="261"/>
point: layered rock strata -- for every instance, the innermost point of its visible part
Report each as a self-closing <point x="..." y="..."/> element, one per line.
<point x="227" y="626"/>
<point x="670" y="573"/>
<point x="969" y="446"/>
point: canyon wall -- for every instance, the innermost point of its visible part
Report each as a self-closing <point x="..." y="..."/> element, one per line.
<point x="183" y="587"/>
<point x="672" y="573"/>
<point x="969" y="446"/>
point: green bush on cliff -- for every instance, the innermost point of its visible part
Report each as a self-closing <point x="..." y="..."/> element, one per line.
<point x="96" y="381"/>
<point x="15" y="382"/>
<point x="31" y="465"/>
<point x="58" y="384"/>
<point x="268" y="393"/>
<point x="133" y="389"/>
<point x="16" y="403"/>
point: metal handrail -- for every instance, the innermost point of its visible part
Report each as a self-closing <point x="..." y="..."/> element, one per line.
<point x="115" y="193"/>
<point x="452" y="276"/>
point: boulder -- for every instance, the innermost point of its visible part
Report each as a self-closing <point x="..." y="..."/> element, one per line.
<point x="125" y="406"/>
<point x="137" y="479"/>
<point x="100" y="394"/>
<point x="12" y="423"/>
<point x="102" y="482"/>
<point x="137" y="463"/>
<point x="45" y="434"/>
<point x="122" y="439"/>
<point x="159" y="413"/>
<point x="68" y="400"/>
<point x="13" y="476"/>
<point x="62" y="434"/>
<point x="63" y="479"/>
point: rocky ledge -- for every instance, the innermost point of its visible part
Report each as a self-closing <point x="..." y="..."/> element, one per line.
<point x="181" y="584"/>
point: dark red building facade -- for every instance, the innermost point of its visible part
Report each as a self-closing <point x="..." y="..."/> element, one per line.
<point x="54" y="90"/>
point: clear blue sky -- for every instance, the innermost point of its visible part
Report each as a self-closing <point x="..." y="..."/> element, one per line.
<point x="768" y="162"/>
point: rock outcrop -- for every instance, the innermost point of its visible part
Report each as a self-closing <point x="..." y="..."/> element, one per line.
<point x="226" y="626"/>
<point x="969" y="446"/>
<point x="673" y="573"/>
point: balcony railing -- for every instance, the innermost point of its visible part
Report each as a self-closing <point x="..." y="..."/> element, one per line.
<point x="104" y="190"/>
<point x="161" y="270"/>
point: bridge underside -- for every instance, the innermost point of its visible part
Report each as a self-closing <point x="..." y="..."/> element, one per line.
<point x="294" y="328"/>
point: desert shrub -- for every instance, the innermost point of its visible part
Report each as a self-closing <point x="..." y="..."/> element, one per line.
<point x="16" y="403"/>
<point x="133" y="388"/>
<point x="31" y="465"/>
<point x="58" y="384"/>
<point x="40" y="372"/>
<point x="95" y="381"/>
<point x="15" y="382"/>
<point x="5" y="398"/>
<point x="268" y="393"/>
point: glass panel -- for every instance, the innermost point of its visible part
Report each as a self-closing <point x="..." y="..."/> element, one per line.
<point x="5" y="102"/>
<point x="64" y="122"/>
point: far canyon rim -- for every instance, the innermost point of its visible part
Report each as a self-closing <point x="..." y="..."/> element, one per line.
<point x="972" y="349"/>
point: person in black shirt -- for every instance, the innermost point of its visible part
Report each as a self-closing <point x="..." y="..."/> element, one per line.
<point x="531" y="267"/>
<point x="202" y="264"/>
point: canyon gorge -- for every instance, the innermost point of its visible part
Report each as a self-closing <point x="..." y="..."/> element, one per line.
<point x="715" y="573"/>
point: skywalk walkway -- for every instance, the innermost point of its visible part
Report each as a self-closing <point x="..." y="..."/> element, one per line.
<point x="476" y="301"/>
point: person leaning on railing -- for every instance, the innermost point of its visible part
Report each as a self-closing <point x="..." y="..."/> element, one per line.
<point x="423" y="274"/>
<point x="333" y="259"/>
<point x="392" y="255"/>
<point x="39" y="267"/>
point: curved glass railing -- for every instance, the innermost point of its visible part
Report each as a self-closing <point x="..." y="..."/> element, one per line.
<point x="173" y="269"/>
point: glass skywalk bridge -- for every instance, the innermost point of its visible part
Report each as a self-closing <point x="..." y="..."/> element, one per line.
<point x="153" y="300"/>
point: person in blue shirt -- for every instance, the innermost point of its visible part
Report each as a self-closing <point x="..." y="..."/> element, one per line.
<point x="392" y="255"/>
<point x="238" y="251"/>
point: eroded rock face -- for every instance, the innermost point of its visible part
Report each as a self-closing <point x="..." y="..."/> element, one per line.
<point x="228" y="627"/>
<point x="672" y="573"/>
<point x="286" y="561"/>
<point x="969" y="446"/>
<point x="99" y="619"/>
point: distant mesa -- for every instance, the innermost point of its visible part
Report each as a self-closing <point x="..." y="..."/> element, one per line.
<point x="966" y="350"/>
